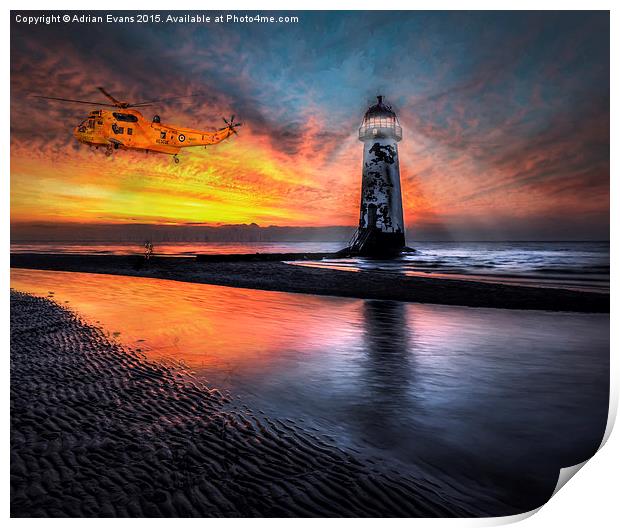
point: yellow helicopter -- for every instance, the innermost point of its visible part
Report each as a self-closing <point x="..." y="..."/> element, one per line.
<point x="126" y="128"/>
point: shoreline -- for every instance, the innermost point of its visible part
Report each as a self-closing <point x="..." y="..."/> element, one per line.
<point x="99" y="431"/>
<point x="272" y="275"/>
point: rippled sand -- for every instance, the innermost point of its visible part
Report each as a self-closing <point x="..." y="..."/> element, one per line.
<point x="97" y="430"/>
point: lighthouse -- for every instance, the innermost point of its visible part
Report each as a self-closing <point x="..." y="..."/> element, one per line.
<point x="381" y="230"/>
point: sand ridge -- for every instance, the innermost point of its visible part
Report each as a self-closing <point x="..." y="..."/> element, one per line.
<point x="279" y="276"/>
<point x="98" y="431"/>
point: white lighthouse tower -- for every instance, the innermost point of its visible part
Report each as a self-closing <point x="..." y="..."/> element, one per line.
<point x="381" y="230"/>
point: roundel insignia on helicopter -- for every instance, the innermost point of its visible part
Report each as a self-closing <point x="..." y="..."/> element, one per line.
<point x="181" y="137"/>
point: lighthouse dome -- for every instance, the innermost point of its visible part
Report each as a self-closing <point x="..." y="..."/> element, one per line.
<point x="380" y="109"/>
<point x="380" y="121"/>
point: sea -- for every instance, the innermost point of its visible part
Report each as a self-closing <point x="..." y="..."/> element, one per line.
<point x="573" y="265"/>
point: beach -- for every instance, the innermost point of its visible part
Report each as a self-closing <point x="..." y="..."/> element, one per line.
<point x="216" y="386"/>
<point x="280" y="397"/>
<point x="97" y="430"/>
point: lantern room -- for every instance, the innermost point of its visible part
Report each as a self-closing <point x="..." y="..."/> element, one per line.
<point x="380" y="121"/>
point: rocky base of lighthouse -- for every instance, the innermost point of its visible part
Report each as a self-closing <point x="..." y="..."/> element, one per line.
<point x="369" y="242"/>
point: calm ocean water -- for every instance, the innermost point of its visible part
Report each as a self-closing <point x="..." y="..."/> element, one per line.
<point x="485" y="402"/>
<point x="575" y="265"/>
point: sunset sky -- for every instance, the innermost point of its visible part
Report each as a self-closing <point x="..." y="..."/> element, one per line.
<point x="505" y="121"/>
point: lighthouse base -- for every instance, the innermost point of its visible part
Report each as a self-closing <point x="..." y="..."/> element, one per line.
<point x="369" y="242"/>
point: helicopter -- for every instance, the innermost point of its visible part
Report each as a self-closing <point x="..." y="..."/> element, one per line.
<point x="126" y="128"/>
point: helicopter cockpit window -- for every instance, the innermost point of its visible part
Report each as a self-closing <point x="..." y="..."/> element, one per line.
<point x="129" y="118"/>
<point x="91" y="123"/>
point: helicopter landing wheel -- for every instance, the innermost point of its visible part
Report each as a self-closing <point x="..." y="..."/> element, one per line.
<point x="176" y="160"/>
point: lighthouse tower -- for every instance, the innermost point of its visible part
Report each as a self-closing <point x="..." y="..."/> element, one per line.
<point x="381" y="231"/>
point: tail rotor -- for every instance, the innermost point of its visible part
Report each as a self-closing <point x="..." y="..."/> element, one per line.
<point x="231" y="125"/>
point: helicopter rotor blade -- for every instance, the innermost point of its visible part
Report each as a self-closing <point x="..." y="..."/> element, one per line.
<point x="149" y="103"/>
<point x="114" y="100"/>
<point x="73" y="100"/>
<point x="230" y="125"/>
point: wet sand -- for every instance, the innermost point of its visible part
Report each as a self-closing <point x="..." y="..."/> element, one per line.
<point x="99" y="431"/>
<point x="279" y="276"/>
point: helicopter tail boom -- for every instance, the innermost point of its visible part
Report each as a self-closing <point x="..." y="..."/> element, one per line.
<point x="195" y="138"/>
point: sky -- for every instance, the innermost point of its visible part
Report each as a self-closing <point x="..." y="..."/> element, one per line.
<point x="505" y="121"/>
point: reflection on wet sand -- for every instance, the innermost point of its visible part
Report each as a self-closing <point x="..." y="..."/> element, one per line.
<point x="389" y="364"/>
<point x="499" y="399"/>
<point x="207" y="327"/>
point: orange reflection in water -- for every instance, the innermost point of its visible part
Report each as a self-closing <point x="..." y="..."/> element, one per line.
<point x="200" y="324"/>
